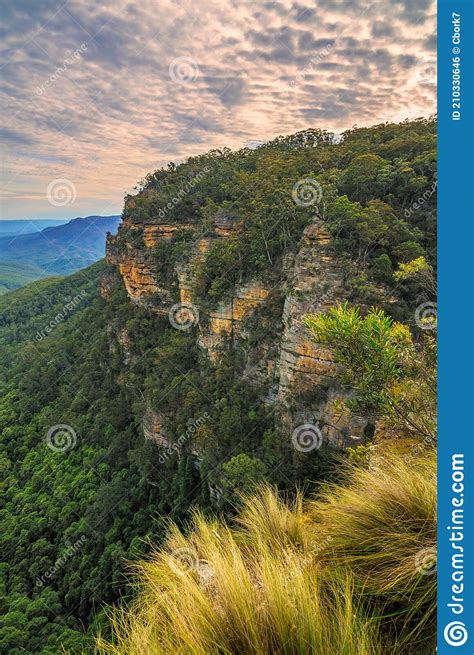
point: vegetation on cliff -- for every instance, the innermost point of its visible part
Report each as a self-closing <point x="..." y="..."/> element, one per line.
<point x="394" y="378"/>
<point x="84" y="379"/>
<point x="375" y="188"/>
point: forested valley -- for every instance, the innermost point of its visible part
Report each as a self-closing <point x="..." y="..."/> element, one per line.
<point x="133" y="449"/>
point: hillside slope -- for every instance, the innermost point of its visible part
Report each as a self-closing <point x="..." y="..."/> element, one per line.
<point x="14" y="275"/>
<point x="181" y="371"/>
<point x="74" y="462"/>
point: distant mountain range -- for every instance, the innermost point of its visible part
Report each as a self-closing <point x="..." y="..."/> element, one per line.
<point x="8" y="227"/>
<point x="55" y="250"/>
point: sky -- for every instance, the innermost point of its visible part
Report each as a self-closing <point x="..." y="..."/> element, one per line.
<point x="96" y="94"/>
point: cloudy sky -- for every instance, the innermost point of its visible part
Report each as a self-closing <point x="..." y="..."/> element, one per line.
<point x="96" y="94"/>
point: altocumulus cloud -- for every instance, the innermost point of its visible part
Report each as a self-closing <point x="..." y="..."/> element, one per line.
<point x="109" y="111"/>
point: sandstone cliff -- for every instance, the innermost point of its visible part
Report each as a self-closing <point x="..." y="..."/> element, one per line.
<point x="299" y="374"/>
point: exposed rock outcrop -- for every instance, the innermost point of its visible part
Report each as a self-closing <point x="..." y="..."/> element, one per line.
<point x="299" y="374"/>
<point x="306" y="367"/>
<point x="153" y="428"/>
<point x="227" y="318"/>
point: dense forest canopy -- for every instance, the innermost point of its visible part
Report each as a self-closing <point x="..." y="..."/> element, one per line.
<point x="73" y="516"/>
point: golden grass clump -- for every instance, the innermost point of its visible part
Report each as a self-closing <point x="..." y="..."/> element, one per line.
<point x="344" y="574"/>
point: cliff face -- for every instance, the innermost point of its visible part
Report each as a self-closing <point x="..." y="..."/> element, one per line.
<point x="299" y="374"/>
<point x="133" y="259"/>
<point x="304" y="366"/>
